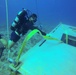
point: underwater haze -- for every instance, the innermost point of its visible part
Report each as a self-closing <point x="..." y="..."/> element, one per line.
<point x="50" y="12"/>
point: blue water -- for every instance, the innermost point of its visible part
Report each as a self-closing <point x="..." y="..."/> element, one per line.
<point x="50" y="12"/>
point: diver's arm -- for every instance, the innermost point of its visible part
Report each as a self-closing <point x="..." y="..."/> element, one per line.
<point x="34" y="27"/>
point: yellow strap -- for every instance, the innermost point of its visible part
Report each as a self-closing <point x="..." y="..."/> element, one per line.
<point x="28" y="37"/>
<point x="66" y="32"/>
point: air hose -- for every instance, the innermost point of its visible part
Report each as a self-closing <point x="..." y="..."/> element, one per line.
<point x="28" y="37"/>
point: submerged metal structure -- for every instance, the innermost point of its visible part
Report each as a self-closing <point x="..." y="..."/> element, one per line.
<point x="56" y="56"/>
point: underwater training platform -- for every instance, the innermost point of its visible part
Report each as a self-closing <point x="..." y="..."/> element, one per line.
<point x="52" y="57"/>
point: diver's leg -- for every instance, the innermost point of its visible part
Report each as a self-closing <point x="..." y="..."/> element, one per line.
<point x="13" y="39"/>
<point x="10" y="44"/>
<point x="7" y="44"/>
<point x="4" y="42"/>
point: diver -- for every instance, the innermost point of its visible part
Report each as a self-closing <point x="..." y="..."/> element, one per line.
<point x="20" y="26"/>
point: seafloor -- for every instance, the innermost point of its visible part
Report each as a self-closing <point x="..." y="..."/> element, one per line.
<point x="4" y="64"/>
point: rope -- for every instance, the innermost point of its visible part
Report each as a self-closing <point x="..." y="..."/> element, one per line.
<point x="36" y="7"/>
<point x="6" y="2"/>
<point x="38" y="13"/>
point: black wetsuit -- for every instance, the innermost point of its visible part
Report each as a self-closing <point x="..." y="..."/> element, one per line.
<point x="22" y="28"/>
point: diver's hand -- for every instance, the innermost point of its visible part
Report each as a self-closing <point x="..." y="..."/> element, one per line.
<point x="44" y="33"/>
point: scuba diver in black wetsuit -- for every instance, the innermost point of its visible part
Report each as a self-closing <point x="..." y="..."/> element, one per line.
<point x="20" y="26"/>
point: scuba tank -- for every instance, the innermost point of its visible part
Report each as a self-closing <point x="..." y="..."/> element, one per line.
<point x="19" y="19"/>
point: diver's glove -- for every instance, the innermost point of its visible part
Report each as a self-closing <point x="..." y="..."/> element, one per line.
<point x="43" y="33"/>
